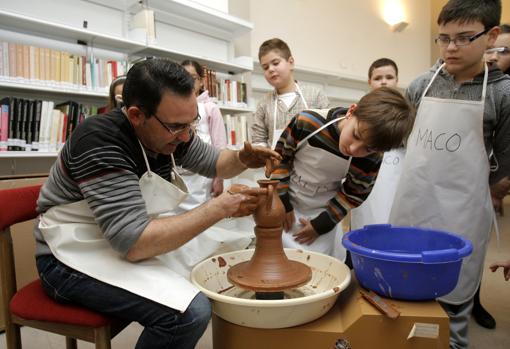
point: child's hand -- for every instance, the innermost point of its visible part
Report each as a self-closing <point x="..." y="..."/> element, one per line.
<point x="289" y="220"/>
<point x="506" y="268"/>
<point x="307" y="235"/>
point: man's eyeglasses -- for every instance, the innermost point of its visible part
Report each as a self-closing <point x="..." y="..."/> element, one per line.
<point x="176" y="129"/>
<point x="499" y="50"/>
<point x="461" y="40"/>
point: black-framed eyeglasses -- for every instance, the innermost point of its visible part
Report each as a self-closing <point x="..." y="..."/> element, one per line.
<point x="461" y="40"/>
<point x="176" y="129"/>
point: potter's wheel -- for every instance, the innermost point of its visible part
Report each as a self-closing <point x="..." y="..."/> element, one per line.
<point x="300" y="305"/>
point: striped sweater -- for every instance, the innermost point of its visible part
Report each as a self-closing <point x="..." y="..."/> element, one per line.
<point x="102" y="163"/>
<point x="360" y="177"/>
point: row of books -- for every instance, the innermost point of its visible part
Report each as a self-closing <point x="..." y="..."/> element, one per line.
<point x="237" y="130"/>
<point x="28" y="63"/>
<point x="227" y="92"/>
<point x="37" y="125"/>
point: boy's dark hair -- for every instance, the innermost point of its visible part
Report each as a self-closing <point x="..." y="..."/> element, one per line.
<point x="387" y="118"/>
<point x="275" y="44"/>
<point x="382" y="62"/>
<point x="147" y="80"/>
<point x="488" y="12"/>
<point x="112" y="101"/>
<point x="505" y="28"/>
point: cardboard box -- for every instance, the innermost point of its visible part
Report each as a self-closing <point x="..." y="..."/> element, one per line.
<point x="351" y="323"/>
<point x="23" y="240"/>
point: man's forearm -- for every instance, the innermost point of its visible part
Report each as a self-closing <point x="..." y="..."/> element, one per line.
<point x="166" y="234"/>
<point x="228" y="164"/>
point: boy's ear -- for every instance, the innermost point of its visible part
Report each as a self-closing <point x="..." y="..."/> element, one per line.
<point x="291" y="61"/>
<point x="493" y="35"/>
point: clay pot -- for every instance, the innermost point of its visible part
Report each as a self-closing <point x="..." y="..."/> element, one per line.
<point x="269" y="270"/>
<point x="270" y="212"/>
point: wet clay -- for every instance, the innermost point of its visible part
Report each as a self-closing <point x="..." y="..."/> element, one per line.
<point x="269" y="270"/>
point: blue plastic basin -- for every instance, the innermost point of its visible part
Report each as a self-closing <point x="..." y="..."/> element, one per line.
<point x="406" y="262"/>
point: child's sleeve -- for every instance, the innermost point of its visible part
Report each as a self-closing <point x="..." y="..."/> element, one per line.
<point x="216" y="126"/>
<point x="286" y="147"/>
<point x="259" y="132"/>
<point x="501" y="141"/>
<point x="353" y="191"/>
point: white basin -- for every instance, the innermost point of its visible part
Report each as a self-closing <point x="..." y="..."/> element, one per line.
<point x="304" y="304"/>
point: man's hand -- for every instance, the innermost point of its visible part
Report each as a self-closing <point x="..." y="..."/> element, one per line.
<point x="240" y="200"/>
<point x="255" y="157"/>
<point x="307" y="235"/>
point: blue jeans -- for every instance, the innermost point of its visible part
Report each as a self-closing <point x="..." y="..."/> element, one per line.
<point x="164" y="327"/>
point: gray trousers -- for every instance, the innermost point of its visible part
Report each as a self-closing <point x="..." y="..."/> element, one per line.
<point x="459" y="320"/>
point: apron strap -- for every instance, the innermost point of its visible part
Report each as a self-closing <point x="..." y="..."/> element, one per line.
<point x="301" y="95"/>
<point x="432" y="80"/>
<point x="484" y="86"/>
<point x="319" y="130"/>
<point x="149" y="173"/>
<point x="275" y="99"/>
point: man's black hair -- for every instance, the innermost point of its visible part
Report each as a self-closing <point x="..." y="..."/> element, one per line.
<point x="147" y="80"/>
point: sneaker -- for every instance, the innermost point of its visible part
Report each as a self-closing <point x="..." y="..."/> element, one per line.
<point x="482" y="317"/>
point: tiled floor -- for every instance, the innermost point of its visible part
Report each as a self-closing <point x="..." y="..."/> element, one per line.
<point x="495" y="297"/>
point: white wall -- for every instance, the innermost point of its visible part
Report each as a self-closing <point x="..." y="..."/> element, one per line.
<point x="341" y="36"/>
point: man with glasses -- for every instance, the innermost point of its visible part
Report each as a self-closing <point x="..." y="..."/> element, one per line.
<point x="447" y="187"/>
<point x="100" y="232"/>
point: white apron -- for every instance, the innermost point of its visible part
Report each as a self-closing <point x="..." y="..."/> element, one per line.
<point x="76" y="240"/>
<point x="278" y="132"/>
<point x="225" y="236"/>
<point x="376" y="208"/>
<point x="445" y="180"/>
<point x="315" y="179"/>
<point x="199" y="187"/>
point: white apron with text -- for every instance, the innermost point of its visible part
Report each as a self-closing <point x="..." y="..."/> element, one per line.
<point x="315" y="180"/>
<point x="278" y="132"/>
<point x="76" y="240"/>
<point x="376" y="208"/>
<point x="445" y="180"/>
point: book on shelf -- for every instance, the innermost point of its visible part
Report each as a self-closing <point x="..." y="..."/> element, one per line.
<point x="226" y="91"/>
<point x="4" y="123"/>
<point x="37" y="125"/>
<point x="236" y="128"/>
<point x="31" y="64"/>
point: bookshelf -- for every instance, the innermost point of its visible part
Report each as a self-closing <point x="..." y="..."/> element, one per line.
<point x="101" y="27"/>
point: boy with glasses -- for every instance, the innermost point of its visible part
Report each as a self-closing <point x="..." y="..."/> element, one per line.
<point x="463" y="116"/>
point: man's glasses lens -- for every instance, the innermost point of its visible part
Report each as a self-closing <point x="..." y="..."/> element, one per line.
<point x="175" y="129"/>
<point x="499" y="50"/>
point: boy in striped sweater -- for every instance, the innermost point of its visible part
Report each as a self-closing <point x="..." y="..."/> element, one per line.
<point x="330" y="159"/>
